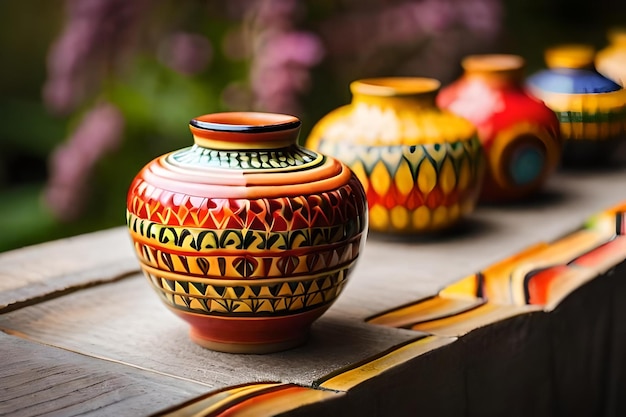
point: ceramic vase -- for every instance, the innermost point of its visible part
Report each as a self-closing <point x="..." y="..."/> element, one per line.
<point x="421" y="167"/>
<point x="591" y="108"/>
<point x="611" y="61"/>
<point x="246" y="235"/>
<point x="520" y="134"/>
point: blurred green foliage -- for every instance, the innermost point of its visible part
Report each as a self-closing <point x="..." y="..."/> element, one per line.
<point x="156" y="101"/>
<point x="27" y="132"/>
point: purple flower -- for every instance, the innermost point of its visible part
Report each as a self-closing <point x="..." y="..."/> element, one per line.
<point x="97" y="35"/>
<point x="71" y="163"/>
<point x="186" y="53"/>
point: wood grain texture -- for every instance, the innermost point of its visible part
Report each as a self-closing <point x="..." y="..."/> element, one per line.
<point x="37" y="380"/>
<point x="125" y="321"/>
<point x="36" y="273"/>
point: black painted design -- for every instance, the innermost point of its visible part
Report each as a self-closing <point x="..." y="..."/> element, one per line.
<point x="260" y="159"/>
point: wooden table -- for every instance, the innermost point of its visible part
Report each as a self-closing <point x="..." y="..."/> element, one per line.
<point x="83" y="333"/>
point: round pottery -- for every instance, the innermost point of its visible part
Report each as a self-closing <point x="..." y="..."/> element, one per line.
<point x="246" y="235"/>
<point x="520" y="134"/>
<point x="421" y="167"/>
<point x="611" y="61"/>
<point x="591" y="108"/>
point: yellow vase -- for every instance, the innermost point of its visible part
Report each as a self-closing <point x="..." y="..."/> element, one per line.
<point x="421" y="167"/>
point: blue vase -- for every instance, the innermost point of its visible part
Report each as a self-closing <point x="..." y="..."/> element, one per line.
<point x="590" y="107"/>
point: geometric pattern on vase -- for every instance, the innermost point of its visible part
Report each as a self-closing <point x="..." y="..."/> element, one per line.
<point x="271" y="159"/>
<point x="417" y="163"/>
<point x="237" y="267"/>
<point x="246" y="225"/>
<point x="592" y="124"/>
<point x="258" y="298"/>
<point x="276" y="214"/>
<point x="243" y="265"/>
<point x="415" y="187"/>
<point x="593" y="134"/>
<point x="198" y="239"/>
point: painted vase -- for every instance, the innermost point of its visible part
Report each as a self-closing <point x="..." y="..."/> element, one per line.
<point x="421" y="167"/>
<point x="591" y="108"/>
<point x="611" y="61"/>
<point x="246" y="235"/>
<point x="520" y="134"/>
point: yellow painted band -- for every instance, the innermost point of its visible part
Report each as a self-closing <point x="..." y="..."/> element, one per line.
<point x="241" y="282"/>
<point x="353" y="377"/>
<point x="584" y="103"/>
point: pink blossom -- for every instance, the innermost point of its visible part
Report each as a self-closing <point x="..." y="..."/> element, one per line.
<point x="297" y="47"/>
<point x="72" y="162"/>
<point x="96" y="37"/>
<point x="186" y="53"/>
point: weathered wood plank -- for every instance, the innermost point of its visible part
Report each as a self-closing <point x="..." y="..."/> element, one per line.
<point x="37" y="380"/>
<point x="36" y="273"/>
<point x="126" y="321"/>
<point x="554" y="363"/>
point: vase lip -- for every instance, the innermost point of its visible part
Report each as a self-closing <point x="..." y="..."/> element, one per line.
<point x="572" y="56"/>
<point x="246" y="122"/>
<point x="493" y="63"/>
<point x="395" y="86"/>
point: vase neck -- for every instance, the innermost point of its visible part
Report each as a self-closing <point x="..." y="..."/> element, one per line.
<point x="396" y="91"/>
<point x="245" y="130"/>
<point x="574" y="56"/>
<point x="497" y="69"/>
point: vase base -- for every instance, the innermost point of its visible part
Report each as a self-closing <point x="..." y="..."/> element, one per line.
<point x="249" y="348"/>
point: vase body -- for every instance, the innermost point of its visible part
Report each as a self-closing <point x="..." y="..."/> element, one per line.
<point x="520" y="134"/>
<point x="611" y="61"/>
<point x="246" y="235"/>
<point x="591" y="108"/>
<point x="421" y="167"/>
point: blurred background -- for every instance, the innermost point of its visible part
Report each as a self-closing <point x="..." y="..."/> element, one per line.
<point x="91" y="90"/>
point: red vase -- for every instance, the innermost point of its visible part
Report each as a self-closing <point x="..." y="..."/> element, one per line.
<point x="246" y="235"/>
<point x="519" y="133"/>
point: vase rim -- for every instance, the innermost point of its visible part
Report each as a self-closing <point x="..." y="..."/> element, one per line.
<point x="245" y="122"/>
<point x="395" y="86"/>
<point x="492" y="62"/>
<point x="574" y="56"/>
